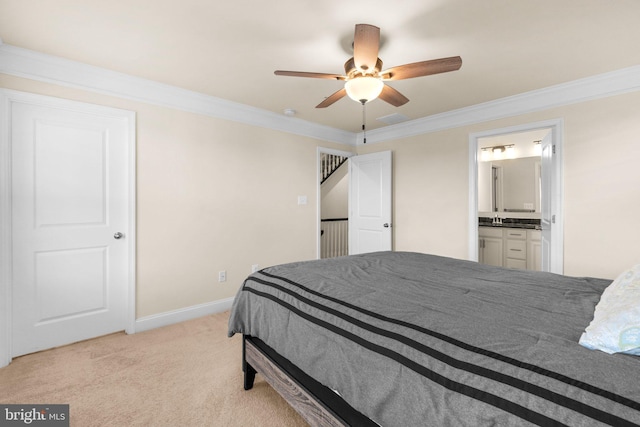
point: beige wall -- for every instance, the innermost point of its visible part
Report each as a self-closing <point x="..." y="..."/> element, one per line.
<point x="601" y="186"/>
<point x="211" y="195"/>
<point x="217" y="195"/>
<point x="335" y="194"/>
<point x="430" y="192"/>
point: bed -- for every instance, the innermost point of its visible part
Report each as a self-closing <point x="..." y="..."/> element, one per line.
<point x="408" y="339"/>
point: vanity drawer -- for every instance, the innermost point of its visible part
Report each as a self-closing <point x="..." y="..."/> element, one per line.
<point x="517" y="249"/>
<point x="515" y="234"/>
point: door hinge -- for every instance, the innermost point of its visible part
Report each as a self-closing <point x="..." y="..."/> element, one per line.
<point x="553" y="149"/>
<point x="553" y="219"/>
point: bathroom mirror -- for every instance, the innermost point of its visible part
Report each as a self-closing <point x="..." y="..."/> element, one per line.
<point x="510" y="185"/>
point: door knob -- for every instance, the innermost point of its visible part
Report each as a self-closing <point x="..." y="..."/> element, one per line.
<point x="385" y="225"/>
<point x="118" y="235"/>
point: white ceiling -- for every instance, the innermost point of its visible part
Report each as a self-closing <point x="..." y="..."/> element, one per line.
<point x="229" y="49"/>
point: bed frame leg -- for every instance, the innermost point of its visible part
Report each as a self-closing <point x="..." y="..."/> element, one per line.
<point x="249" y="376"/>
<point x="249" y="371"/>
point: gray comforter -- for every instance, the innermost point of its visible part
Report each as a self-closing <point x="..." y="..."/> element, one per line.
<point x="411" y="339"/>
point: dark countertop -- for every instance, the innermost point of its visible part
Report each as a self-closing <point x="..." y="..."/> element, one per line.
<point x="526" y="226"/>
<point x="526" y="223"/>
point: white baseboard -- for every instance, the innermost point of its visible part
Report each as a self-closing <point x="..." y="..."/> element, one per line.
<point x="176" y="316"/>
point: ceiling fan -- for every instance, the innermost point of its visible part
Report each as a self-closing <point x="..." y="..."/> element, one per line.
<point x="364" y="77"/>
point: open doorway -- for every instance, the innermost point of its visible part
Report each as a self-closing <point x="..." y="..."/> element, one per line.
<point x="333" y="203"/>
<point x="509" y="199"/>
<point x="496" y="200"/>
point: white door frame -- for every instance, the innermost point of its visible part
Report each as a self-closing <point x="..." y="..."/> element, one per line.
<point x="557" y="184"/>
<point x="7" y="97"/>
<point x="320" y="151"/>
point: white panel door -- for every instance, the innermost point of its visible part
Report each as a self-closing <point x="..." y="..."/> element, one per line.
<point x="70" y="196"/>
<point x="370" y="203"/>
<point x="547" y="218"/>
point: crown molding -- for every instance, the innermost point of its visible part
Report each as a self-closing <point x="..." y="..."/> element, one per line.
<point x="594" y="87"/>
<point x="51" y="69"/>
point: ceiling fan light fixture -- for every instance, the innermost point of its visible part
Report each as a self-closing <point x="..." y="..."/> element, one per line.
<point x="364" y="76"/>
<point x="364" y="89"/>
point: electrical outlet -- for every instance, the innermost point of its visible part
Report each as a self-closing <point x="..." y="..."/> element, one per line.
<point x="222" y="276"/>
<point x="254" y="268"/>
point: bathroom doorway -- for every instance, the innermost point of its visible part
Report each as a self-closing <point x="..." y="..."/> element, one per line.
<point x="494" y="199"/>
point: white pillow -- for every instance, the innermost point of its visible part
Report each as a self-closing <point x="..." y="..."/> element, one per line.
<point x="615" y="327"/>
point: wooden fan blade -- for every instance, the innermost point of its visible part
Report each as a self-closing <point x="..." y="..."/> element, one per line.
<point x="307" y="74"/>
<point x="392" y="96"/>
<point x="424" y="68"/>
<point x="332" y="98"/>
<point x="366" y="44"/>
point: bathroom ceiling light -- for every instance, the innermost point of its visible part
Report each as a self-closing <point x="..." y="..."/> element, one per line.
<point x="498" y="152"/>
<point x="538" y="148"/>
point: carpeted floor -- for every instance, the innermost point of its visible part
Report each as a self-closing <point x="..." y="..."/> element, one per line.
<point x="188" y="374"/>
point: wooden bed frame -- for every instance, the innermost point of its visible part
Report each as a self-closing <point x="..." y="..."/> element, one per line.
<point x="318" y="405"/>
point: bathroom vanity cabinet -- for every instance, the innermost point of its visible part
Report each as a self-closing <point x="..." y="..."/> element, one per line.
<point x="510" y="247"/>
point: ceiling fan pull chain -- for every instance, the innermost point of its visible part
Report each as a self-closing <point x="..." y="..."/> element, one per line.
<point x="364" y="121"/>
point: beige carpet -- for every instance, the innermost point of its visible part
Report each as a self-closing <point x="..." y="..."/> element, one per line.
<point x="187" y="374"/>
